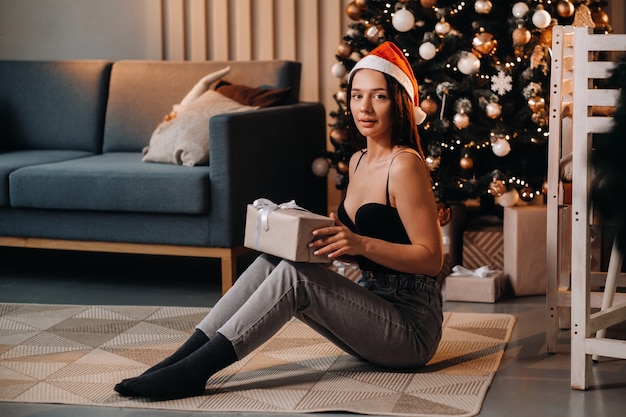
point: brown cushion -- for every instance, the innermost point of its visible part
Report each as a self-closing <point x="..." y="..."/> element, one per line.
<point x="251" y="96"/>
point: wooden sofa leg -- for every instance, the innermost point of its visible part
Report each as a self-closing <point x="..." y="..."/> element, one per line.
<point x="229" y="272"/>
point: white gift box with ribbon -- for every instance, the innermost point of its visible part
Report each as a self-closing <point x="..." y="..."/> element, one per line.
<point x="482" y="285"/>
<point x="283" y="230"/>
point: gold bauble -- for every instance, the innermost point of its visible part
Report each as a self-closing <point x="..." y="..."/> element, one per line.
<point x="342" y="167"/>
<point x="565" y="8"/>
<point x="599" y="17"/>
<point x="429" y="106"/>
<point x="353" y="11"/>
<point x="339" y="135"/>
<point x="444" y="213"/>
<point x="546" y="37"/>
<point x="344" y="49"/>
<point x="521" y="36"/>
<point x="362" y="4"/>
<point x="536" y="103"/>
<point x="484" y="43"/>
<point x="428" y="3"/>
<point x="466" y="162"/>
<point x="497" y="187"/>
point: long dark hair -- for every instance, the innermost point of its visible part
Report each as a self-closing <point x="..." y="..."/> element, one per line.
<point x="404" y="127"/>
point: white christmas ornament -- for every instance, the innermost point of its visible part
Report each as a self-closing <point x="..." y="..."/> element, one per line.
<point x="427" y="51"/>
<point x="501" y="83"/>
<point x="339" y="70"/>
<point x="403" y="20"/>
<point x="468" y="63"/>
<point x="461" y="120"/>
<point x="501" y="147"/>
<point x="520" y="9"/>
<point x="483" y="6"/>
<point x="508" y="199"/>
<point x="493" y="110"/>
<point x="542" y="19"/>
<point x="320" y="167"/>
<point x="342" y="96"/>
<point x="442" y="28"/>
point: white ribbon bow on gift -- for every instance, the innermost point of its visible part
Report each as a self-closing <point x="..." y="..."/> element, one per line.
<point x="481" y="272"/>
<point x="264" y="208"/>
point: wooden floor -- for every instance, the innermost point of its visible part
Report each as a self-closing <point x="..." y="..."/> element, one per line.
<point x="530" y="382"/>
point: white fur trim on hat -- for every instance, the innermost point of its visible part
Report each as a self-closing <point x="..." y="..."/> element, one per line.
<point x="381" y="64"/>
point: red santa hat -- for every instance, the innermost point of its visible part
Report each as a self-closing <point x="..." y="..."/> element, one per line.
<point x="389" y="59"/>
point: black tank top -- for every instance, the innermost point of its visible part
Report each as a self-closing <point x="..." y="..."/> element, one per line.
<point x="376" y="220"/>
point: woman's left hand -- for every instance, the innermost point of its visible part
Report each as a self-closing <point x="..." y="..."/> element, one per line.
<point x="336" y="241"/>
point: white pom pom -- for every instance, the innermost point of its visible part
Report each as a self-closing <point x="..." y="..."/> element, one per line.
<point x="420" y="115"/>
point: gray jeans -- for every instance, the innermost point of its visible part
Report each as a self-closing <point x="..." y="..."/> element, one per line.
<point x="382" y="321"/>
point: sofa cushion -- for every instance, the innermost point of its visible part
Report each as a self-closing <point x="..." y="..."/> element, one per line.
<point x="116" y="181"/>
<point x="53" y="105"/>
<point x="10" y="161"/>
<point x="141" y="92"/>
<point x="251" y="96"/>
<point x="184" y="139"/>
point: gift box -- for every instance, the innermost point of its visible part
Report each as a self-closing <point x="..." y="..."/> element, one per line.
<point x="483" y="246"/>
<point x="525" y="248"/>
<point x="482" y="285"/>
<point x="283" y="230"/>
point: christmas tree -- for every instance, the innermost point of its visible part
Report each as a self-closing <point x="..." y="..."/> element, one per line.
<point x="483" y="69"/>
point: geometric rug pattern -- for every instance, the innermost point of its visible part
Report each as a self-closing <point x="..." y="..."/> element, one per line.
<point x="73" y="354"/>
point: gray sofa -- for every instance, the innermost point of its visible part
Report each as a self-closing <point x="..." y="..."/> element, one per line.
<point x="71" y="170"/>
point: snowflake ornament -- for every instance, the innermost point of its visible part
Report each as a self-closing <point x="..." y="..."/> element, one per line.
<point x="501" y="83"/>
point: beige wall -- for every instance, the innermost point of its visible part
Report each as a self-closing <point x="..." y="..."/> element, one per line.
<point x="303" y="30"/>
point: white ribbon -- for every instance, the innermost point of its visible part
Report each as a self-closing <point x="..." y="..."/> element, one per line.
<point x="264" y="208"/>
<point x="341" y="266"/>
<point x="482" y="272"/>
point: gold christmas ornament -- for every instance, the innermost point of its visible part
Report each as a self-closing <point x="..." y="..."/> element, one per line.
<point x="599" y="17"/>
<point x="428" y="3"/>
<point x="353" y="11"/>
<point x="444" y="213"/>
<point x="484" y="43"/>
<point x="344" y="49"/>
<point x="362" y="4"/>
<point x="521" y="36"/>
<point x="565" y="8"/>
<point x="429" y="106"/>
<point x="374" y="33"/>
<point x="466" y="162"/>
<point x="545" y="38"/>
<point x="497" y="187"/>
<point x="342" y="167"/>
<point x="339" y="135"/>
<point x="536" y="103"/>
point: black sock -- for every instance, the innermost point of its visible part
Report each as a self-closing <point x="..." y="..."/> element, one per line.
<point x="195" y="341"/>
<point x="185" y="378"/>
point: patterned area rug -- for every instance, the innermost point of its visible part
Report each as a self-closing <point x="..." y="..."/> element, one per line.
<point x="70" y="354"/>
